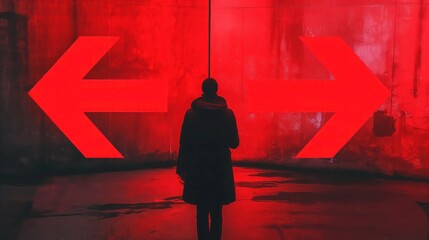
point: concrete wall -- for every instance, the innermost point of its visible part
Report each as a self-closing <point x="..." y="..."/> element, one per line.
<point x="250" y="40"/>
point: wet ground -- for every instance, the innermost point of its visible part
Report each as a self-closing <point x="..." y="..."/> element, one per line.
<point x="271" y="204"/>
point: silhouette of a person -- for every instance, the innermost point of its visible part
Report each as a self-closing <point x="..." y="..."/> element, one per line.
<point x="208" y="132"/>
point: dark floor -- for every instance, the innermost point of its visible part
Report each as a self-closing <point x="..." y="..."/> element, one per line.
<point x="271" y="204"/>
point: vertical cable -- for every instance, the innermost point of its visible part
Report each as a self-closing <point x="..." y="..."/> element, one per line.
<point x="209" y="40"/>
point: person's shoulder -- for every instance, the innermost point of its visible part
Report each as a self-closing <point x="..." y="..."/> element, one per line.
<point x="190" y="112"/>
<point x="220" y="98"/>
<point x="222" y="101"/>
<point x="229" y="112"/>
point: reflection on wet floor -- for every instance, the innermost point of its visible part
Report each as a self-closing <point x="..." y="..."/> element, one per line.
<point x="111" y="210"/>
<point x="271" y="204"/>
<point x="315" y="197"/>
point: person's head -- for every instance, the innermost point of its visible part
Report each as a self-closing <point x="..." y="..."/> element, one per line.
<point x="209" y="87"/>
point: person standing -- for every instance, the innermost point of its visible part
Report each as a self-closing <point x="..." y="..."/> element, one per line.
<point x="209" y="131"/>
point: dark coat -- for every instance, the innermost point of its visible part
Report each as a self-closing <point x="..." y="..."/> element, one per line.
<point x="209" y="130"/>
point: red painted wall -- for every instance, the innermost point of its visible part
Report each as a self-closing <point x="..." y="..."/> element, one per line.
<point x="250" y="40"/>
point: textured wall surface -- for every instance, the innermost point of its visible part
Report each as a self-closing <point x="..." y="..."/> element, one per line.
<point x="251" y="40"/>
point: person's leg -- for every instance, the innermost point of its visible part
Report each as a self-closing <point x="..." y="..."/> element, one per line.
<point x="202" y="222"/>
<point x="216" y="222"/>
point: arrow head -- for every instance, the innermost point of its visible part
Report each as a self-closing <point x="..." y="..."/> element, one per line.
<point x="354" y="95"/>
<point x="361" y="94"/>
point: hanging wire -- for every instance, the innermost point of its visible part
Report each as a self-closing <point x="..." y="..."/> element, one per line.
<point x="209" y="38"/>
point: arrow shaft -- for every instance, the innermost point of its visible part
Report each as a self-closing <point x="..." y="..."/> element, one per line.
<point x="292" y="96"/>
<point x="123" y="96"/>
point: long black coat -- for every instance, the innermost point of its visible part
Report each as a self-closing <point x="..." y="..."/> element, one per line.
<point x="209" y="130"/>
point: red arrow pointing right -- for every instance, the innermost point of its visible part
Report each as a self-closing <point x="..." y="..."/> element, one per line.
<point x="354" y="95"/>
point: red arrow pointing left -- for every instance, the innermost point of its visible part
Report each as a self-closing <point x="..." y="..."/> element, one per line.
<point x="65" y="96"/>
